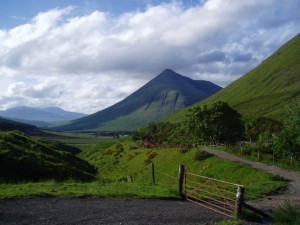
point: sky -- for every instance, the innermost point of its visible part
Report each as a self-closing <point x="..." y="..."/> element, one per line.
<point x="84" y="56"/>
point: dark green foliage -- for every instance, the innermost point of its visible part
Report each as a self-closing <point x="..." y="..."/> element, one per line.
<point x="216" y="123"/>
<point x="262" y="126"/>
<point x="247" y="150"/>
<point x="288" y="142"/>
<point x="25" y="158"/>
<point x="10" y="125"/>
<point x="202" y="155"/>
<point x="287" y="215"/>
<point x="163" y="133"/>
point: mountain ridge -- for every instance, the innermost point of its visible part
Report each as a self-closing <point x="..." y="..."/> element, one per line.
<point x="164" y="94"/>
<point x="39" y="116"/>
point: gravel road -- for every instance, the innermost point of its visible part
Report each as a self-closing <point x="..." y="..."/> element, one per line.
<point x="63" y="210"/>
<point x="268" y="204"/>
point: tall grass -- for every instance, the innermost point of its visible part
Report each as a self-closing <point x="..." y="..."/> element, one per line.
<point x="287" y="215"/>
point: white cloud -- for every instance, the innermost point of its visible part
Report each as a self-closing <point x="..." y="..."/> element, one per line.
<point x="86" y="63"/>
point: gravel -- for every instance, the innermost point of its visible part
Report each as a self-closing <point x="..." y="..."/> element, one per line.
<point x="92" y="210"/>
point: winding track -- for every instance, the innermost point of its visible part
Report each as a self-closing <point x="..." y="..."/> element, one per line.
<point x="292" y="195"/>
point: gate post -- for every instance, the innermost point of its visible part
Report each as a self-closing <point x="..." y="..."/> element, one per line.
<point x="153" y="174"/>
<point x="180" y="179"/>
<point x="239" y="201"/>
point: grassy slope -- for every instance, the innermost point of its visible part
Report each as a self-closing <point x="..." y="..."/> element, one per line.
<point x="9" y="125"/>
<point x="117" y="160"/>
<point x="127" y="159"/>
<point x="267" y="90"/>
<point x="25" y="158"/>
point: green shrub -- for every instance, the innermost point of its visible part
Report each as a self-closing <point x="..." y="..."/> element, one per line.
<point x="247" y="149"/>
<point x="201" y="155"/>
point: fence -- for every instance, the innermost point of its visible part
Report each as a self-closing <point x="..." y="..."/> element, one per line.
<point x="220" y="196"/>
<point x="223" y="197"/>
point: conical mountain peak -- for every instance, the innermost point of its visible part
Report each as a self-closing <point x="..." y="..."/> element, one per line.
<point x="162" y="96"/>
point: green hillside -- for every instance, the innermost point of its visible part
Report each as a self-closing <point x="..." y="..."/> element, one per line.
<point x="128" y="158"/>
<point x="9" y="125"/>
<point x="25" y="158"/>
<point x="270" y="89"/>
<point x="162" y="96"/>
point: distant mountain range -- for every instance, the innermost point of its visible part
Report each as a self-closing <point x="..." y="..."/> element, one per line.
<point x="162" y="96"/>
<point x="271" y="89"/>
<point x="40" y="116"/>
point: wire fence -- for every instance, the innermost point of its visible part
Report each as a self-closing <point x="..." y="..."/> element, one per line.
<point x="160" y="177"/>
<point x="288" y="162"/>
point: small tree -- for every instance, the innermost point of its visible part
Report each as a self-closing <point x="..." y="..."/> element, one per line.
<point x="288" y="142"/>
<point x="216" y="123"/>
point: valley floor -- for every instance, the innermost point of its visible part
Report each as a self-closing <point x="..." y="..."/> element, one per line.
<point x="268" y="204"/>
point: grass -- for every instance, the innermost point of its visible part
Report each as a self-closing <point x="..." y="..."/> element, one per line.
<point x="284" y="163"/>
<point x="26" y="158"/>
<point x="267" y="90"/>
<point x="229" y="222"/>
<point x="287" y="215"/>
<point x="128" y="159"/>
<point x="77" y="189"/>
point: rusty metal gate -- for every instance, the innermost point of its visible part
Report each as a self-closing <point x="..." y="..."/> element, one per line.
<point x="217" y="195"/>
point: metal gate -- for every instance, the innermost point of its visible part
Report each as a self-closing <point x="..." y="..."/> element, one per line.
<point x="223" y="197"/>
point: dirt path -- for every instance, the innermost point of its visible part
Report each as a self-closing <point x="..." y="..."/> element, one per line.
<point x="292" y="195"/>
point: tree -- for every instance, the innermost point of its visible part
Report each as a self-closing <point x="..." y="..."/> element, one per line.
<point x="288" y="142"/>
<point x="262" y="126"/>
<point x="216" y="123"/>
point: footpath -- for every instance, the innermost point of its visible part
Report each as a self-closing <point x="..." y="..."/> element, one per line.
<point x="271" y="202"/>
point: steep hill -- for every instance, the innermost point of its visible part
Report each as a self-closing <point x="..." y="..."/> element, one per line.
<point x="10" y="125"/>
<point x="39" y="116"/>
<point x="25" y="158"/>
<point x="270" y="89"/>
<point x="162" y="96"/>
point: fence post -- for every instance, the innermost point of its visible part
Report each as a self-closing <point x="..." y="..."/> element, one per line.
<point x="180" y="179"/>
<point x="153" y="174"/>
<point x="239" y="201"/>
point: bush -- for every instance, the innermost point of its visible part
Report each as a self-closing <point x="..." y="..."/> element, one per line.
<point x="201" y="155"/>
<point x="150" y="155"/>
<point x="247" y="149"/>
<point x="184" y="150"/>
